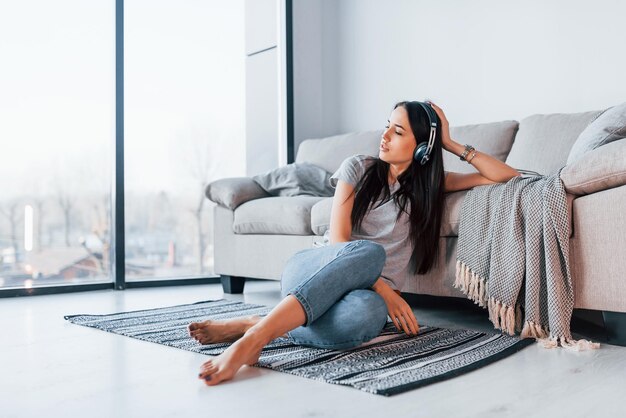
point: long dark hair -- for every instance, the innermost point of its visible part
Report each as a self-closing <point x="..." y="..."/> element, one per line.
<point x="420" y="195"/>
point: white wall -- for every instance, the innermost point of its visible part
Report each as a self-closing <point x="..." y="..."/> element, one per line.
<point x="263" y="90"/>
<point x="481" y="60"/>
<point x="315" y="69"/>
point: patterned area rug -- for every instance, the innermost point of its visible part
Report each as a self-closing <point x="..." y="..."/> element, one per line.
<point x="390" y="364"/>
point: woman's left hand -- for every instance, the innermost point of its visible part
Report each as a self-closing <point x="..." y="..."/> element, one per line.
<point x="446" y="140"/>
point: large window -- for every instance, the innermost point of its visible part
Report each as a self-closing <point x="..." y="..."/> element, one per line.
<point x="57" y="107"/>
<point x="184" y="126"/>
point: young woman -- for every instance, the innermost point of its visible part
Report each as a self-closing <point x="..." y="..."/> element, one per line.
<point x="384" y="227"/>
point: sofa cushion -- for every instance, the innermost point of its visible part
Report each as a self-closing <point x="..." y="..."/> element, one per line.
<point x="608" y="127"/>
<point x="600" y="169"/>
<point x="320" y="214"/>
<point x="275" y="215"/>
<point x="232" y="192"/>
<point x="494" y="139"/>
<point x="543" y="142"/>
<point x="330" y="152"/>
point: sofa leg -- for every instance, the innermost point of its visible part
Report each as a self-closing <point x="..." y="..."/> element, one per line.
<point x="615" y="324"/>
<point x="233" y="284"/>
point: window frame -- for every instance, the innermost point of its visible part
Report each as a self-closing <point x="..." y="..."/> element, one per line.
<point x="118" y="260"/>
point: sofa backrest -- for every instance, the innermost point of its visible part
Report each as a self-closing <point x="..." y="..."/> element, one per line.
<point x="330" y="152"/>
<point x="538" y="143"/>
<point x="494" y="138"/>
<point x="543" y="142"/>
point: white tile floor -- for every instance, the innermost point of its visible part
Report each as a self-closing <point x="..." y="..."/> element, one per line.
<point x="50" y="368"/>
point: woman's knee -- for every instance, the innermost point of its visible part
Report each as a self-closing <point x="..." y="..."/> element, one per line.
<point x="370" y="260"/>
<point x="372" y="253"/>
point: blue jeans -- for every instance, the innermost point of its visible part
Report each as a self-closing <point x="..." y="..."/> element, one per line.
<point x="333" y="284"/>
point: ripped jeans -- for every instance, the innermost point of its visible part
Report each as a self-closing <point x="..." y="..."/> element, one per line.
<point x="333" y="284"/>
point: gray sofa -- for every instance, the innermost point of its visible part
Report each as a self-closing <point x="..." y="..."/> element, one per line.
<point x="256" y="233"/>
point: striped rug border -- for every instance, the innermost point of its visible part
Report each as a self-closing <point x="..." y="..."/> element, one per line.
<point x="462" y="370"/>
<point x="278" y="344"/>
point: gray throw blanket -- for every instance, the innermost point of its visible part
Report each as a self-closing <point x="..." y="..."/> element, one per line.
<point x="513" y="252"/>
<point x="296" y="179"/>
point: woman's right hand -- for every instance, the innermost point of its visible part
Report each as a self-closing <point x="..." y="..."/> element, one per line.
<point x="399" y="310"/>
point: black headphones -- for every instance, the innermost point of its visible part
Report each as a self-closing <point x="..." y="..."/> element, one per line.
<point x="423" y="150"/>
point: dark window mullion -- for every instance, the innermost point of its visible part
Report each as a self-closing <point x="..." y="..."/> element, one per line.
<point x="289" y="62"/>
<point x="118" y="260"/>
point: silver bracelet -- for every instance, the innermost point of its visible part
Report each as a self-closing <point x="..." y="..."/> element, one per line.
<point x="469" y="161"/>
<point x="468" y="149"/>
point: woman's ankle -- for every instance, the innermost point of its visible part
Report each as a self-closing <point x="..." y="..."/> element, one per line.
<point x="260" y="333"/>
<point x="252" y="321"/>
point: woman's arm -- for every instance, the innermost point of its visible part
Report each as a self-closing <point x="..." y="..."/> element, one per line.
<point x="340" y="214"/>
<point x="488" y="167"/>
<point x="462" y="181"/>
<point x="490" y="170"/>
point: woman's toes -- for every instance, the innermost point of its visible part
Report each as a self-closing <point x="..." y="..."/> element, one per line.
<point x="211" y="381"/>
<point x="204" y="373"/>
<point x="218" y="377"/>
<point x="207" y="365"/>
<point x="197" y="334"/>
<point x="208" y="371"/>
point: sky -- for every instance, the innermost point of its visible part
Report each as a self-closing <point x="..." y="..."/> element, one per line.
<point x="184" y="94"/>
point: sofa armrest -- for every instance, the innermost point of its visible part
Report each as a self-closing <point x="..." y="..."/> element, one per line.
<point x="600" y="169"/>
<point x="232" y="192"/>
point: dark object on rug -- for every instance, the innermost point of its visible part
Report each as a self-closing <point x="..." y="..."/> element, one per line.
<point x="391" y="363"/>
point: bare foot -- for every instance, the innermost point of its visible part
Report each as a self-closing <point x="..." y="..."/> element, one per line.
<point x="212" y="332"/>
<point x="223" y="367"/>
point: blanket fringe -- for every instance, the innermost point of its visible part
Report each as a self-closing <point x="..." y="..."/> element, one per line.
<point x="509" y="318"/>
<point x="568" y="343"/>
<point x="502" y="316"/>
<point x="533" y="330"/>
<point x="471" y="284"/>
